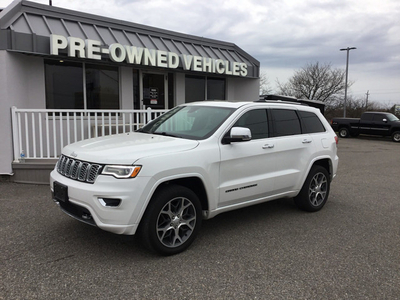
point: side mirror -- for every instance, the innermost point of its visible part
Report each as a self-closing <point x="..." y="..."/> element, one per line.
<point x="238" y="134"/>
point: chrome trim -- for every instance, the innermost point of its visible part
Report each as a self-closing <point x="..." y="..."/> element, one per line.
<point x="77" y="169"/>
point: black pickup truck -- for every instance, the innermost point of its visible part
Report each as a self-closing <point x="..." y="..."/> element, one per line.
<point x="371" y="123"/>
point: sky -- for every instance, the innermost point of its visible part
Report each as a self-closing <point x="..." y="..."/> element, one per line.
<point x="284" y="35"/>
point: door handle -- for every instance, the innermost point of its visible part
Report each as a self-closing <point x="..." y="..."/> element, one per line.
<point x="307" y="141"/>
<point x="268" y="146"/>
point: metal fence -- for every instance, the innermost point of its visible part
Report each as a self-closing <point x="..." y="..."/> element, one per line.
<point x="42" y="133"/>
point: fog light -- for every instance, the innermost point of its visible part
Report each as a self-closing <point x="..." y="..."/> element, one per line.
<point x="86" y="216"/>
<point x="110" y="202"/>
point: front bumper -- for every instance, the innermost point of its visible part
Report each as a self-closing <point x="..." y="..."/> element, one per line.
<point x="85" y="201"/>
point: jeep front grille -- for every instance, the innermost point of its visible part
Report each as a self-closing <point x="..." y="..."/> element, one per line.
<point x="77" y="169"/>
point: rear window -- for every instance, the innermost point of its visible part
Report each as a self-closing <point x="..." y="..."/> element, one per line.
<point x="311" y="122"/>
<point x="285" y="122"/>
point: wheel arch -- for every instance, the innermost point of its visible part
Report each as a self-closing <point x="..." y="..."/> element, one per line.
<point x="325" y="163"/>
<point x="394" y="129"/>
<point x="193" y="183"/>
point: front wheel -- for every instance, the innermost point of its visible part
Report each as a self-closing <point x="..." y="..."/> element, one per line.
<point x="396" y="136"/>
<point x="171" y="221"/>
<point x="315" y="191"/>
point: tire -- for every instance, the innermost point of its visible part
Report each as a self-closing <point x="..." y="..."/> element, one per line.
<point x="315" y="191"/>
<point x="344" y="132"/>
<point x="171" y="221"/>
<point x="396" y="136"/>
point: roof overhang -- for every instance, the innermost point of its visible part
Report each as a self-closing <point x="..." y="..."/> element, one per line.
<point x="31" y="28"/>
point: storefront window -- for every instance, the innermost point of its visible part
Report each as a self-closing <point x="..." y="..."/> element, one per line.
<point x="215" y="88"/>
<point x="64" y="86"/>
<point x="102" y="87"/>
<point x="196" y="88"/>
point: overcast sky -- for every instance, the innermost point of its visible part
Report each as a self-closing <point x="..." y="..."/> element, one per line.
<point x="284" y="35"/>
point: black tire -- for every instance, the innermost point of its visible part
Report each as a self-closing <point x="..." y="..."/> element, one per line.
<point x="171" y="221"/>
<point x="396" y="136"/>
<point x="315" y="191"/>
<point x="344" y="132"/>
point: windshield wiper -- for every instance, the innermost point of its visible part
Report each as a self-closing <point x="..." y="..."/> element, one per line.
<point x="167" y="134"/>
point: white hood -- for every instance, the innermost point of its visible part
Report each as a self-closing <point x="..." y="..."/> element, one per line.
<point x="126" y="148"/>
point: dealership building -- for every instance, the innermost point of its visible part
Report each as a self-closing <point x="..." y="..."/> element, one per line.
<point x="67" y="75"/>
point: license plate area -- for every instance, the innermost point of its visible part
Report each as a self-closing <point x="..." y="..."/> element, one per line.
<point x="60" y="192"/>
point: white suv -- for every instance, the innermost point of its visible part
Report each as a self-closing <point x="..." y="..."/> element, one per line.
<point x="195" y="162"/>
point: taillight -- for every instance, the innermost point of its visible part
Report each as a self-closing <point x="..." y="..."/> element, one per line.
<point x="336" y="139"/>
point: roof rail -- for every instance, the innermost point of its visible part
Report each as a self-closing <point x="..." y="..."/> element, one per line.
<point x="314" y="103"/>
<point x="278" y="97"/>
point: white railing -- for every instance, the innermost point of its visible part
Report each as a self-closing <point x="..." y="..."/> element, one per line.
<point x="42" y="133"/>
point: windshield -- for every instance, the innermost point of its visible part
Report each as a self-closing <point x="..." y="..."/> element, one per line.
<point x="190" y="122"/>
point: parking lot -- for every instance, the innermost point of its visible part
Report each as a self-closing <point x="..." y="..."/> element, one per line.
<point x="348" y="250"/>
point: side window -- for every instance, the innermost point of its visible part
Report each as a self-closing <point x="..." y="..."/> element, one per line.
<point x="286" y="122"/>
<point x="311" y="122"/>
<point x="379" y="118"/>
<point x="367" y="117"/>
<point x="256" y="120"/>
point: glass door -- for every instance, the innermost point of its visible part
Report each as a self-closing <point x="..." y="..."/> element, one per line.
<point x="154" y="91"/>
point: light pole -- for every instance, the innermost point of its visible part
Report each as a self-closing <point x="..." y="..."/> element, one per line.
<point x="347" y="75"/>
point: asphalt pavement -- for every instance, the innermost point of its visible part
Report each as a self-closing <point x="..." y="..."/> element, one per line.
<point x="348" y="250"/>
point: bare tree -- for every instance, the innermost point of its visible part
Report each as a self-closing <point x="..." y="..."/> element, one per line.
<point x="265" y="87"/>
<point x="315" y="82"/>
<point x="354" y="108"/>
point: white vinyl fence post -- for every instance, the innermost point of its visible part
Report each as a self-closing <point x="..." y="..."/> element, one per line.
<point x="15" y="132"/>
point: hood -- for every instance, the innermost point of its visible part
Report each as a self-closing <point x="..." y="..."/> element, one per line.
<point x="126" y="148"/>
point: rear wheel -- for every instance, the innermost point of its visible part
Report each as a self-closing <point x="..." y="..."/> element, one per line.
<point x="315" y="191"/>
<point x="171" y="221"/>
<point x="396" y="136"/>
<point x="344" y="132"/>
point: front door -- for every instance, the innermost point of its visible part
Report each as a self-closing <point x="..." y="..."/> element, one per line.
<point x="380" y="125"/>
<point x="154" y="91"/>
<point x="247" y="167"/>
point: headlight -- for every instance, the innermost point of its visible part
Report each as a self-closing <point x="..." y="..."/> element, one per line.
<point x="121" y="171"/>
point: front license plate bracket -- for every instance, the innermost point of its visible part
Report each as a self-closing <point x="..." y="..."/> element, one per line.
<point x="60" y="192"/>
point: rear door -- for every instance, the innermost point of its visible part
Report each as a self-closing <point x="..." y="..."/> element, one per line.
<point x="292" y="150"/>
<point x="365" y="123"/>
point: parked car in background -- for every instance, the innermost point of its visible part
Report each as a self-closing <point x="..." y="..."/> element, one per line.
<point x="370" y="123"/>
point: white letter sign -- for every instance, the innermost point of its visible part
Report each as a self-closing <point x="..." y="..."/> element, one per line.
<point x="92" y="49"/>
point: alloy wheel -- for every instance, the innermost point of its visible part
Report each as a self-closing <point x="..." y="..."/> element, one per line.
<point x="176" y="222"/>
<point x="318" y="189"/>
